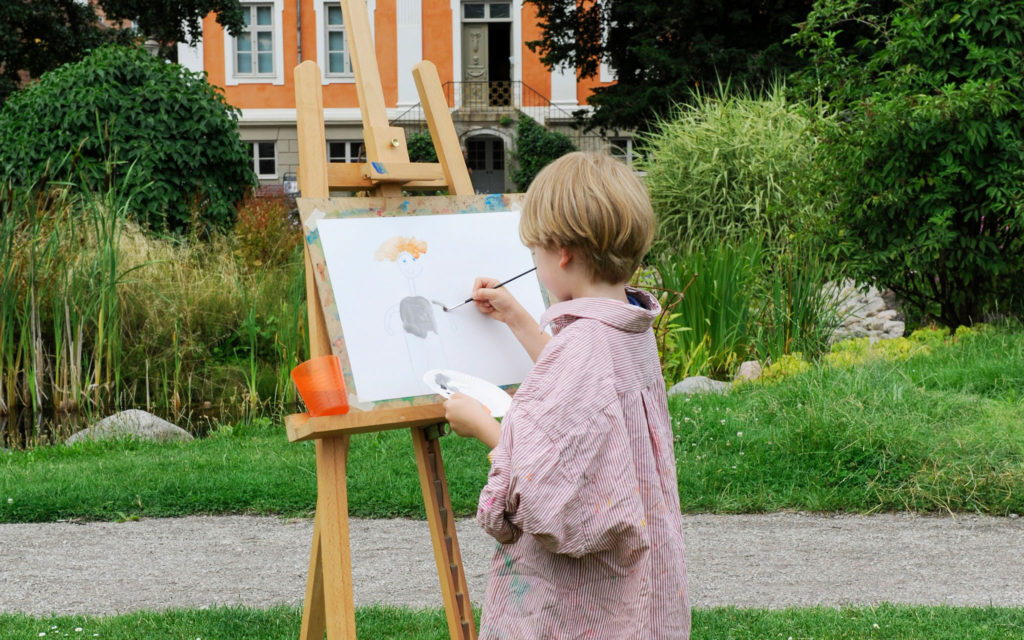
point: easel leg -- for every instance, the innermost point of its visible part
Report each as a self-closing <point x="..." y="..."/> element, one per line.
<point x="335" y="554"/>
<point x="454" y="590"/>
<point x="313" y="621"/>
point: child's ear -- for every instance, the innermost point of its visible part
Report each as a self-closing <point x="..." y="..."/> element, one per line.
<point x="565" y="257"/>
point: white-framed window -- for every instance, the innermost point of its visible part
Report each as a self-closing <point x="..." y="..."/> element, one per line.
<point x="254" y="47"/>
<point x="332" y="50"/>
<point x="345" y="151"/>
<point x="337" y="62"/>
<point x="264" y="158"/>
<point x="623" y="149"/>
<point x="490" y="11"/>
<point x="257" y="54"/>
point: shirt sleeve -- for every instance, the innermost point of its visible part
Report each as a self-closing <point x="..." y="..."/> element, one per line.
<point x="576" y="494"/>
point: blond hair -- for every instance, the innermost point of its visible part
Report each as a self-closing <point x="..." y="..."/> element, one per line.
<point x="391" y="248"/>
<point x="594" y="204"/>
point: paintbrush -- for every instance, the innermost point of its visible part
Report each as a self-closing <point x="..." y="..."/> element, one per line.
<point x="470" y="299"/>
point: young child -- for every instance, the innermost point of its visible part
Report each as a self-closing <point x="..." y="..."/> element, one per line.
<point x="582" y="493"/>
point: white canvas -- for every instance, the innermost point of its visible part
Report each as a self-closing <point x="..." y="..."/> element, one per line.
<point x="392" y="336"/>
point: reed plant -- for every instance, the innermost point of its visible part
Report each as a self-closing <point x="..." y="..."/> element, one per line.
<point x="735" y="301"/>
<point x="99" y="314"/>
<point x="59" y="319"/>
<point x="793" y="314"/>
<point x="707" y="331"/>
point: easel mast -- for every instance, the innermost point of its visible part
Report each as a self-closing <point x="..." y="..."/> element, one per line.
<point x="329" y="604"/>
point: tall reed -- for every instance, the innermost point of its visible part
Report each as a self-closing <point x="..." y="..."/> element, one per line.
<point x="59" y="315"/>
<point x="794" y="314"/>
<point x="743" y="302"/>
<point x="96" y="314"/>
<point x="709" y="326"/>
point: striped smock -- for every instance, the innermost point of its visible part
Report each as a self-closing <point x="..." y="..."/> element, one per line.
<point x="582" y="493"/>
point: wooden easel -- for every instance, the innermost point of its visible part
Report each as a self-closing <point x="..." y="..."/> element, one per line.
<point x="329" y="604"/>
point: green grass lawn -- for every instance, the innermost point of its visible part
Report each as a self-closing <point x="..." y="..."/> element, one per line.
<point x="938" y="431"/>
<point x="889" y="622"/>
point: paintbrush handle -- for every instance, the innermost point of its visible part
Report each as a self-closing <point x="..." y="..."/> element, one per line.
<point x="498" y="286"/>
<point x="514" y="278"/>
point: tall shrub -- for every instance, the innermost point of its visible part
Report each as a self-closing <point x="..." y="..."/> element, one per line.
<point x="157" y="131"/>
<point x="928" y="154"/>
<point x="729" y="166"/>
<point x="536" y="147"/>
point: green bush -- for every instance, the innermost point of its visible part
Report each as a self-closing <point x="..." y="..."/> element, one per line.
<point x="421" y="147"/>
<point x="927" y="157"/>
<point x="157" y="131"/>
<point x="728" y="166"/>
<point x="536" y="147"/>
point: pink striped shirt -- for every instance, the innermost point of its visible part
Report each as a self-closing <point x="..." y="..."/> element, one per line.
<point x="585" y="469"/>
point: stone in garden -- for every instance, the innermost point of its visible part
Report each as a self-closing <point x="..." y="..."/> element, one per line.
<point x="749" y="370"/>
<point x="133" y="423"/>
<point x="864" y="313"/>
<point x="698" y="384"/>
<point x="893" y="329"/>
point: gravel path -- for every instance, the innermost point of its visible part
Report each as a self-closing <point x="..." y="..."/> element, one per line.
<point x="776" y="560"/>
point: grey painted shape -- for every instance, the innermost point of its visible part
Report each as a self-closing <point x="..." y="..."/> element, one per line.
<point x="417" y="316"/>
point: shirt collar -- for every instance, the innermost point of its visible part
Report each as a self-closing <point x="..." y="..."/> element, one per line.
<point x="620" y="315"/>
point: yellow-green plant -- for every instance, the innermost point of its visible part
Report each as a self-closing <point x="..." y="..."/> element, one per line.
<point x="728" y="166"/>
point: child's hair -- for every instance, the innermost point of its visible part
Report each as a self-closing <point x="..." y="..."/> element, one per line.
<point x="594" y="204"/>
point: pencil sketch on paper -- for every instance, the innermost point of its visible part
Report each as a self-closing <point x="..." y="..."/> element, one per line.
<point x="415" y="312"/>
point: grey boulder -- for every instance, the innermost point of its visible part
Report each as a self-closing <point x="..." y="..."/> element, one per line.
<point x="133" y="423"/>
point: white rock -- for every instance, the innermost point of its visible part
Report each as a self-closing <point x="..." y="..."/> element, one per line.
<point x="698" y="384"/>
<point x="133" y="423"/>
<point x="749" y="370"/>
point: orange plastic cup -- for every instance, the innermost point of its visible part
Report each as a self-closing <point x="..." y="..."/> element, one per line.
<point x="321" y="383"/>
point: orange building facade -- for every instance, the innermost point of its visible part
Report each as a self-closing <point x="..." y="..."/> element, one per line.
<point x="488" y="73"/>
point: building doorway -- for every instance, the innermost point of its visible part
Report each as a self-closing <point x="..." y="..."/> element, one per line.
<point x="485" y="158"/>
<point x="487" y="54"/>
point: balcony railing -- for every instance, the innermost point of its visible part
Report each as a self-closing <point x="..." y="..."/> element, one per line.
<point x="476" y="100"/>
<point x="500" y="102"/>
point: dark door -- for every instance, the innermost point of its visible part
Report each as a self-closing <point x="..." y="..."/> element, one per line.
<point x="485" y="158"/>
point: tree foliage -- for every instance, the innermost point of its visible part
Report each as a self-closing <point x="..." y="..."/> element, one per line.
<point x="39" y="35"/>
<point x="661" y="51"/>
<point x="171" y="21"/>
<point x="927" y="155"/>
<point x="122" y="118"/>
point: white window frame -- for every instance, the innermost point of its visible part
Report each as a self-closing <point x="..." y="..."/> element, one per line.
<point x="320" y="9"/>
<point x="351" y="147"/>
<point x="487" y="11"/>
<point x="231" y="75"/>
<point x="628" y="150"/>
<point x="254" y="145"/>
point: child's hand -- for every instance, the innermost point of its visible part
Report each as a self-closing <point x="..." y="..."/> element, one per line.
<point x="496" y="303"/>
<point x="471" y="419"/>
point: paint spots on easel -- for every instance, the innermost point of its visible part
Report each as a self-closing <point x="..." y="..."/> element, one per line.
<point x="321" y="271"/>
<point x="404" y="207"/>
<point x="494" y="202"/>
<point x="313" y="236"/>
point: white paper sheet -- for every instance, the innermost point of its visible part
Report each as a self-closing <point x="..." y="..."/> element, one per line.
<point x="385" y="271"/>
